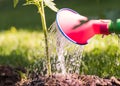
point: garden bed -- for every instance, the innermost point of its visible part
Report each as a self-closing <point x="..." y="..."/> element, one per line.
<point x="11" y="77"/>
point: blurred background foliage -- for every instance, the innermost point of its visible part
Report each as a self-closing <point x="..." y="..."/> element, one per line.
<point x="27" y="16"/>
<point x="22" y="41"/>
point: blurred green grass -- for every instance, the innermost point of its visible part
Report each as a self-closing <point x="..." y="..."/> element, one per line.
<point x="102" y="57"/>
<point x="20" y="47"/>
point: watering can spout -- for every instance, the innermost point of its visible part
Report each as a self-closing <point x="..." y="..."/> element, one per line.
<point x="79" y="29"/>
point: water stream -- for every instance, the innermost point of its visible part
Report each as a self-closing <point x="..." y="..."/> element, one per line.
<point x="60" y="52"/>
<point x="68" y="54"/>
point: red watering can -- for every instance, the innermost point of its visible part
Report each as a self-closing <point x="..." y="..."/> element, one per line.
<point x="79" y="29"/>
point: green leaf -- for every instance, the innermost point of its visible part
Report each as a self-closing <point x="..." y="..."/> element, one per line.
<point x="15" y="2"/>
<point x="51" y="5"/>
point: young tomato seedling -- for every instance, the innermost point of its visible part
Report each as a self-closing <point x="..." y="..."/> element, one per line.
<point x="40" y="6"/>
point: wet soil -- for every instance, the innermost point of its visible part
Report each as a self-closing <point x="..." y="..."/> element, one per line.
<point x="11" y="77"/>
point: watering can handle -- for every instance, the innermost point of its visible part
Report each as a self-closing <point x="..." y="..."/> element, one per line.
<point x="88" y="29"/>
<point x="92" y="27"/>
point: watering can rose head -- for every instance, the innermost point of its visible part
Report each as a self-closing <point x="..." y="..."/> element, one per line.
<point x="79" y="29"/>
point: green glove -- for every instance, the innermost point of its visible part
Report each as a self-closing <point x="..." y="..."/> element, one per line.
<point x="114" y="27"/>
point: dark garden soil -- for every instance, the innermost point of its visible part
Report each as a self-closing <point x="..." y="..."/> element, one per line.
<point x="11" y="77"/>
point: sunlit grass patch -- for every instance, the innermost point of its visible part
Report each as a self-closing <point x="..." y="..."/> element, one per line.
<point x="24" y="44"/>
<point x="102" y="56"/>
<point x="102" y="42"/>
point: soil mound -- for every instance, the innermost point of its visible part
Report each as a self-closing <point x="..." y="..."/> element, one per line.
<point x="72" y="80"/>
<point x="11" y="77"/>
